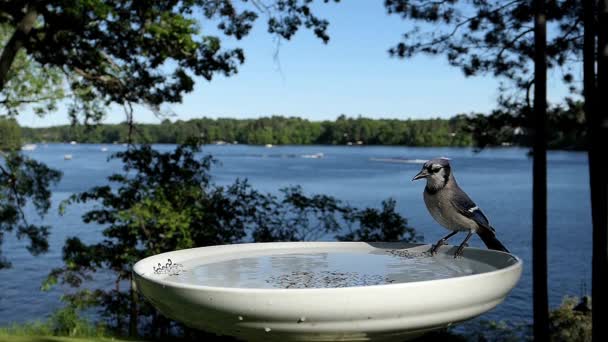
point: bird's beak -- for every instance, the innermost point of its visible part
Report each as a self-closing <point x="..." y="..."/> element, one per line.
<point x="422" y="174"/>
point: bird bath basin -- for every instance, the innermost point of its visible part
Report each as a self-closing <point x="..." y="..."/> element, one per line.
<point x="325" y="291"/>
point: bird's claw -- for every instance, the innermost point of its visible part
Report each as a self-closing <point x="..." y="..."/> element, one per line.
<point x="459" y="252"/>
<point x="436" y="246"/>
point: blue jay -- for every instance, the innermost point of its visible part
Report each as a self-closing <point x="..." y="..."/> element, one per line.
<point x="452" y="208"/>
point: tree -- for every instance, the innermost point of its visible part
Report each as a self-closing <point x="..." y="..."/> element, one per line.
<point x="167" y="201"/>
<point x="99" y="52"/>
<point x="491" y="36"/>
<point x="139" y="53"/>
<point x="380" y="225"/>
<point x="505" y="39"/>
<point x="28" y="83"/>
<point x="595" y="87"/>
<point x="566" y="128"/>
<point x="22" y="180"/>
<point x="283" y="130"/>
<point x="540" y="291"/>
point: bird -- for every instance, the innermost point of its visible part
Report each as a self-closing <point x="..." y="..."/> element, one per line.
<point x="452" y="208"/>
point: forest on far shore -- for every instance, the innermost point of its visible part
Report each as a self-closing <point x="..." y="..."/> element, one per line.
<point x="566" y="127"/>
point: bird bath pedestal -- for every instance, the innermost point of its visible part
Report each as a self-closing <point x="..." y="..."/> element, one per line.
<point x="325" y="291"/>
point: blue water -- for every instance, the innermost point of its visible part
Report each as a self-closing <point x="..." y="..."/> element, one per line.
<point x="499" y="180"/>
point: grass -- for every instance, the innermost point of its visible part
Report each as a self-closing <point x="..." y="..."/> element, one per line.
<point x="17" y="338"/>
<point x="65" y="325"/>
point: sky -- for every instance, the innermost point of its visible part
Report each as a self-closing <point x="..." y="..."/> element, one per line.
<point x="353" y="75"/>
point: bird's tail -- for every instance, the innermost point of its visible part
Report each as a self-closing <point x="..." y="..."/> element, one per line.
<point x="489" y="238"/>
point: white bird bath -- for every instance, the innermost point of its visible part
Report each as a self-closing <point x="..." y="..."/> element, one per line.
<point x="325" y="291"/>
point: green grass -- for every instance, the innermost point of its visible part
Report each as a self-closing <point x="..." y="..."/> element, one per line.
<point x="65" y="325"/>
<point x="16" y="338"/>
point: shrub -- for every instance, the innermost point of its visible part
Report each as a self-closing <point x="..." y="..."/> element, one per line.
<point x="571" y="321"/>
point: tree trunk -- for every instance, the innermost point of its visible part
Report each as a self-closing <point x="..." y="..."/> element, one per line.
<point x="539" y="187"/>
<point x="597" y="123"/>
<point x="133" y="311"/>
<point x="118" y="304"/>
<point x="16" y="42"/>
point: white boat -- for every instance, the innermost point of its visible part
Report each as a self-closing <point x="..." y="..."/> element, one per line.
<point x="73" y="142"/>
<point x="268" y="145"/>
<point x="399" y="160"/>
<point x="104" y="149"/>
<point x="314" y="156"/>
<point x="67" y="157"/>
<point x="28" y="147"/>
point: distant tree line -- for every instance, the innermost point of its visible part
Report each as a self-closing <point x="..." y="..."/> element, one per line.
<point x="566" y="127"/>
<point x="269" y="130"/>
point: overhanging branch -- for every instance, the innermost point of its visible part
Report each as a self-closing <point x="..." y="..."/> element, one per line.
<point x="16" y="42"/>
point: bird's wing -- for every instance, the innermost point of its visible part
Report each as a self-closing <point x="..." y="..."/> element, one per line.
<point x="466" y="207"/>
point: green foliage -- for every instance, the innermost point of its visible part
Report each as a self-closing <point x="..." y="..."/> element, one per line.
<point x="498" y="128"/>
<point x="37" y="328"/>
<point x="571" y="321"/>
<point x="565" y="127"/>
<point x="167" y="201"/>
<point x="295" y="216"/>
<point x="44" y="338"/>
<point x="497" y="37"/>
<point x="272" y="130"/>
<point x="28" y="83"/>
<point x="490" y="37"/>
<point x="130" y="52"/>
<point x="10" y="135"/>
<point x="380" y="225"/>
<point x="67" y="321"/>
<point x="24" y="180"/>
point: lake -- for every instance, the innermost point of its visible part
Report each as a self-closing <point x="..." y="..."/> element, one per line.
<point x="498" y="180"/>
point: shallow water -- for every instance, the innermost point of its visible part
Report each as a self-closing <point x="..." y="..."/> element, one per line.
<point x="326" y="270"/>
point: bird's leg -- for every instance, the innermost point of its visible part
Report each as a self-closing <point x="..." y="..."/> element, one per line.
<point x="460" y="249"/>
<point x="442" y="242"/>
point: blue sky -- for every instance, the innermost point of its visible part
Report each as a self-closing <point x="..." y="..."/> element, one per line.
<point x="353" y="75"/>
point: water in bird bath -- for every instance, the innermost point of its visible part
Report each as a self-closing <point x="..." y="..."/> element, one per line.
<point x="325" y="269"/>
